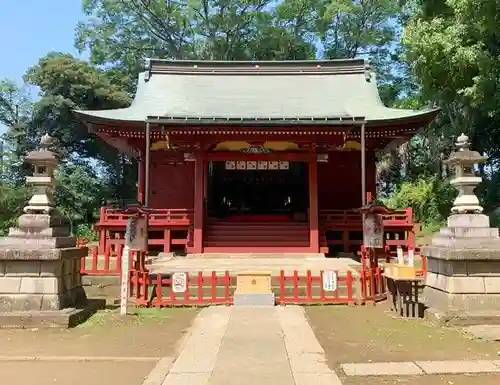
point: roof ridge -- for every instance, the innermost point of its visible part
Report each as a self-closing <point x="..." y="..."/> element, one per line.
<point x="256" y="67"/>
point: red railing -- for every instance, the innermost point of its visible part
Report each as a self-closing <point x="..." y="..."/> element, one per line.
<point x="155" y="290"/>
<point x="110" y="217"/>
<point x="312" y="289"/>
<point x="109" y="263"/>
<point x="399" y="229"/>
<point x="346" y="218"/>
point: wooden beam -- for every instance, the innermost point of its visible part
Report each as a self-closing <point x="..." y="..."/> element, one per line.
<point x="228" y="155"/>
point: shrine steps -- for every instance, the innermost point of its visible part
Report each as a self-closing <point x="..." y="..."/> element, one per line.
<point x="256" y="236"/>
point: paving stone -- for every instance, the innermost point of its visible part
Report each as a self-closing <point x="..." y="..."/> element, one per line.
<point x="316" y="379"/>
<point x="485" y="332"/>
<point x="309" y="363"/>
<point x="253" y="350"/>
<point x="298" y="335"/>
<point x="159" y="372"/>
<point x="457" y="367"/>
<point x="200" y="351"/>
<point x="187" y="379"/>
<point x="252" y="377"/>
<point x="381" y="369"/>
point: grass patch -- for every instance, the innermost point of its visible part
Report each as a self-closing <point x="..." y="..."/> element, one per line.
<point x="136" y="316"/>
<point x="371" y="333"/>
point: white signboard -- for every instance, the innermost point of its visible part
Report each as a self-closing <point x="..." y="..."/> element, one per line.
<point x="179" y="282"/>
<point x="136" y="238"/>
<point x="330" y="280"/>
<point x="124" y="281"/>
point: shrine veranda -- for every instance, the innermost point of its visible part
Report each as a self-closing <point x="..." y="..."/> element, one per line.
<point x="255" y="157"/>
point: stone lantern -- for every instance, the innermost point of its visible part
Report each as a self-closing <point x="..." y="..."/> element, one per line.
<point x="40" y="280"/>
<point x="462" y="283"/>
<point x="44" y="163"/>
<point x="40" y="221"/>
<point x="462" y="162"/>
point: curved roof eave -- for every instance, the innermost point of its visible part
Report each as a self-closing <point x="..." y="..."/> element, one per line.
<point x="108" y="116"/>
<point x="405" y="116"/>
<point x="123" y="116"/>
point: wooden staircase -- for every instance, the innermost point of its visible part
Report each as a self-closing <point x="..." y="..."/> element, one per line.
<point x="256" y="236"/>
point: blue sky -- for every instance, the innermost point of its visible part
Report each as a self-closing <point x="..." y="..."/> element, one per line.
<point x="31" y="29"/>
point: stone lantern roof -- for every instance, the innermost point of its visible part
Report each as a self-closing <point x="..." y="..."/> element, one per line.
<point x="43" y="154"/>
<point x="463" y="154"/>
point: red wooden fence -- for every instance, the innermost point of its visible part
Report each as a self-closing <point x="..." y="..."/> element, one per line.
<point x="149" y="289"/>
<point x="155" y="290"/>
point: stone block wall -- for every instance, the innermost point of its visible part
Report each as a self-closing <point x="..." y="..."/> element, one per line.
<point x="463" y="285"/>
<point x="34" y="285"/>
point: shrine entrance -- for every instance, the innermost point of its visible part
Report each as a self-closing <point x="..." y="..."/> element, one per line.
<point x="258" y="190"/>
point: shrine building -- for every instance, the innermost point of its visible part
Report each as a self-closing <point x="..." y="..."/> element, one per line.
<point x="264" y="156"/>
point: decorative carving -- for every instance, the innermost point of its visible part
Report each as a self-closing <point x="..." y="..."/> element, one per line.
<point x="256" y="150"/>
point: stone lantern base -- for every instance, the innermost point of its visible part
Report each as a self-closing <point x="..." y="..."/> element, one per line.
<point x="40" y="280"/>
<point x="463" y="278"/>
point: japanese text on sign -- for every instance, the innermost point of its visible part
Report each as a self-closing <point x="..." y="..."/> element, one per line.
<point x="330" y="281"/>
<point x="179" y="282"/>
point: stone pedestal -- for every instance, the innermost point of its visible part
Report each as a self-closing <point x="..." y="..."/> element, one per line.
<point x="463" y="278"/>
<point x="40" y="279"/>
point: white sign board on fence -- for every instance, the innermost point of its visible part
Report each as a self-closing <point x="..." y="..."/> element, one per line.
<point x="179" y="282"/>
<point x="329" y="280"/>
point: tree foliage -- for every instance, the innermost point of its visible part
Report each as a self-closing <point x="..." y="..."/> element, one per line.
<point x="121" y="34"/>
<point x="453" y="47"/>
<point x="449" y="57"/>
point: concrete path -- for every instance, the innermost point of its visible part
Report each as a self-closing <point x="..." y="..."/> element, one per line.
<point x="421" y="368"/>
<point x="250" y="345"/>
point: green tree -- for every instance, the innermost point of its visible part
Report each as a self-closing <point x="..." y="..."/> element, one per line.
<point x="77" y="194"/>
<point x="123" y="33"/>
<point x="453" y="46"/>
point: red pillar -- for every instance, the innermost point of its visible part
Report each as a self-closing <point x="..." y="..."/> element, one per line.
<point x="140" y="180"/>
<point x="205" y="181"/>
<point x="103" y="233"/>
<point x="198" y="203"/>
<point x="313" y="204"/>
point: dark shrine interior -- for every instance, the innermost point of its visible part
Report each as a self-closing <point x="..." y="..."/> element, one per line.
<point x="258" y="193"/>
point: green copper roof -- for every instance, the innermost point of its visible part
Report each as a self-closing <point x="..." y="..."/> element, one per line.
<point x="290" y="91"/>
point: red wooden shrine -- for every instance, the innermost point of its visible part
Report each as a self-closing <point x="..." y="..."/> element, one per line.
<point x="255" y="156"/>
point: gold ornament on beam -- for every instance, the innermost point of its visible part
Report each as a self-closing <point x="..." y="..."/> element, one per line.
<point x="163" y="145"/>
